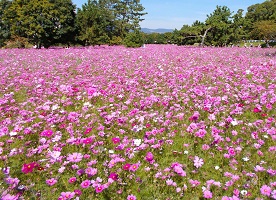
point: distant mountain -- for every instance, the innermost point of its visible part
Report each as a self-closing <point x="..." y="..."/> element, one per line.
<point x="158" y="30"/>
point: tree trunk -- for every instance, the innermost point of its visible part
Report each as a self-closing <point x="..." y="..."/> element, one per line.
<point x="203" y="36"/>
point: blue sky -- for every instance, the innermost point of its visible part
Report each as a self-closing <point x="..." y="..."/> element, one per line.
<point x="175" y="13"/>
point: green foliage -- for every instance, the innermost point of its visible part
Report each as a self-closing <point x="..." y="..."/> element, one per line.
<point x="107" y="22"/>
<point x="116" y="40"/>
<point x="4" y="26"/>
<point x="17" y="42"/>
<point x="133" y="39"/>
<point x="265" y="30"/>
<point x="238" y="29"/>
<point x="43" y="22"/>
<point x="220" y="22"/>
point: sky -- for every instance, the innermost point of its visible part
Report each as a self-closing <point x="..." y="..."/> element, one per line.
<point x="173" y="14"/>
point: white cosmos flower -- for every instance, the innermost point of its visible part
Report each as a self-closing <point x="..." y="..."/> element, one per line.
<point x="243" y="192"/>
<point x="137" y="142"/>
<point x="234" y="122"/>
<point x="245" y="159"/>
<point x="13" y="133"/>
<point x="55" y="107"/>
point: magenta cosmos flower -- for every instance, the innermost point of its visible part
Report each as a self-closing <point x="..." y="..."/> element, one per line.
<point x="113" y="176"/>
<point x="75" y="157"/>
<point x="126" y="166"/>
<point x="116" y="140"/>
<point x="47" y="133"/>
<point x="99" y="188"/>
<point x="149" y="156"/>
<point x="28" y="168"/>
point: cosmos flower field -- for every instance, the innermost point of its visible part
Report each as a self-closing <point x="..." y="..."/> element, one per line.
<point x="160" y="122"/>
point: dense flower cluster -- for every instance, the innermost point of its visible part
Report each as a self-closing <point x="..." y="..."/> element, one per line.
<point x="160" y="122"/>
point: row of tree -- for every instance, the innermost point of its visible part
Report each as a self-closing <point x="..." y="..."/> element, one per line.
<point x="48" y="22"/>
<point x="223" y="27"/>
<point x="113" y="22"/>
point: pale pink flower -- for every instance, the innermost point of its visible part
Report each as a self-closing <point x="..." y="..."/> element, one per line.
<point x="134" y="167"/>
<point x="75" y="157"/>
<point x="265" y="190"/>
<point x="207" y="194"/>
<point x="198" y="162"/>
<point x="51" y="181"/>
<point x="85" y="183"/>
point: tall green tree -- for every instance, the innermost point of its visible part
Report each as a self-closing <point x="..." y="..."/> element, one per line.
<point x="95" y="22"/>
<point x="104" y="21"/>
<point x="238" y="28"/>
<point x="65" y="21"/>
<point x="264" y="30"/>
<point x="128" y="14"/>
<point x="219" y="23"/>
<point x="262" y="11"/>
<point x="259" y="17"/>
<point x="4" y="25"/>
<point x="42" y="22"/>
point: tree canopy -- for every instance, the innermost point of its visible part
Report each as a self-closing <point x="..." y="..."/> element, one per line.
<point x="116" y="22"/>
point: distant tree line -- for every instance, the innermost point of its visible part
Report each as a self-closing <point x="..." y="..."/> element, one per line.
<point x="51" y="22"/>
<point x="223" y="27"/>
<point x="115" y="22"/>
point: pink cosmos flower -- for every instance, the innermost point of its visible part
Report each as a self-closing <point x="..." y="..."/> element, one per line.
<point x="201" y="133"/>
<point x="273" y="194"/>
<point x="99" y="188"/>
<point x="75" y="157"/>
<point x="116" y="140"/>
<point x="72" y="180"/>
<point x="178" y="169"/>
<point x="205" y="147"/>
<point x="91" y="171"/>
<point x="149" y="156"/>
<point x="131" y="197"/>
<point x="87" y="140"/>
<point x="195" y="116"/>
<point x="113" y="176"/>
<point x="51" y="181"/>
<point x="198" y="162"/>
<point x="85" y="184"/>
<point x="207" y="194"/>
<point x="231" y="151"/>
<point x="78" y="192"/>
<point x="265" y="190"/>
<point x="67" y="195"/>
<point x="256" y="110"/>
<point x="47" y="133"/>
<point x="194" y="183"/>
<point x="134" y="167"/>
<point x="87" y="131"/>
